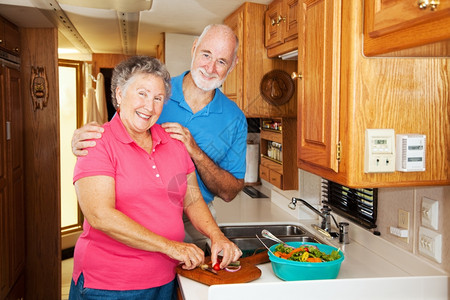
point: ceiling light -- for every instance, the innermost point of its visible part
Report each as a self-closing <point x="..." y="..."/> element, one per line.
<point x="128" y="6"/>
<point x="67" y="51"/>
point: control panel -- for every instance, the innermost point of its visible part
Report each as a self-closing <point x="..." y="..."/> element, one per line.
<point x="410" y="151"/>
<point x="379" y="151"/>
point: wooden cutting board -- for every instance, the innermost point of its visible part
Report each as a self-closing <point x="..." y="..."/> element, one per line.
<point x="248" y="272"/>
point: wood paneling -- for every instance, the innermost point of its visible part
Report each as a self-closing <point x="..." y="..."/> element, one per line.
<point x="42" y="179"/>
<point x="104" y="60"/>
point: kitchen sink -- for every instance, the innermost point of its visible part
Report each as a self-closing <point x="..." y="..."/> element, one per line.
<point x="250" y="246"/>
<point x="252" y="230"/>
<point x="245" y="236"/>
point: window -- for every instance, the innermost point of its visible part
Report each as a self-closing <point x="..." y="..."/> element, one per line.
<point x="358" y="205"/>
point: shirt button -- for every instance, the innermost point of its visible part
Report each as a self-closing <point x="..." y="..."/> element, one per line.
<point x="153" y="150"/>
<point x="157" y="175"/>
<point x="153" y="167"/>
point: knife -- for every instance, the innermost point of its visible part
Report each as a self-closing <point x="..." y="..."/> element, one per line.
<point x="207" y="268"/>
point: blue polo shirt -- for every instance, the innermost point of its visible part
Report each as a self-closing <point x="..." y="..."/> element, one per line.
<point x="219" y="129"/>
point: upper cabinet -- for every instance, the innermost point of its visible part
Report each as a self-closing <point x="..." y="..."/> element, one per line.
<point x="9" y="37"/>
<point x="341" y="93"/>
<point x="243" y="83"/>
<point x="281" y="27"/>
<point x="392" y="25"/>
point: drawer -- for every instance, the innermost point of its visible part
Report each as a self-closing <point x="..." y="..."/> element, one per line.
<point x="264" y="173"/>
<point x="276" y="179"/>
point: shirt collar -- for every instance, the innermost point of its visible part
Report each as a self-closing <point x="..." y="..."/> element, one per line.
<point x="215" y="106"/>
<point x="159" y="135"/>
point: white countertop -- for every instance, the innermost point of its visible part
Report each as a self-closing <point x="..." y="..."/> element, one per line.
<point x="372" y="268"/>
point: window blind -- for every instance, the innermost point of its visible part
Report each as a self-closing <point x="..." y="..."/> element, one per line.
<point x="359" y="205"/>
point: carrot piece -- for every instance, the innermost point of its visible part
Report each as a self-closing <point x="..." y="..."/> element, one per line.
<point x="313" y="259"/>
<point x="294" y="251"/>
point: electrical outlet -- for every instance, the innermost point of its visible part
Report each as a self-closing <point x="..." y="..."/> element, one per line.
<point x="403" y="219"/>
<point x="430" y="213"/>
<point x="430" y="244"/>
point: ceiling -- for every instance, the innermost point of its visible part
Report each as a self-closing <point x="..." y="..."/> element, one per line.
<point x="118" y="26"/>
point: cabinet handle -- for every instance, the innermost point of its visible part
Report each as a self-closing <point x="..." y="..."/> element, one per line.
<point x="295" y="75"/>
<point x="1" y="41"/>
<point x="8" y="130"/>
<point x="278" y="20"/>
<point x="424" y="4"/>
<point x="16" y="49"/>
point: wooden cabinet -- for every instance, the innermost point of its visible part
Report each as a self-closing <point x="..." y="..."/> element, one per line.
<point x="243" y="83"/>
<point x="12" y="217"/>
<point x="342" y="93"/>
<point x="391" y="25"/>
<point x="9" y="37"/>
<point x="278" y="140"/>
<point x="281" y="27"/>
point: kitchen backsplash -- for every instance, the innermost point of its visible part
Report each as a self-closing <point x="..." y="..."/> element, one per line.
<point x="390" y="200"/>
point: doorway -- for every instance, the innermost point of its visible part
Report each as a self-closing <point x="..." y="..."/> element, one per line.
<point x="71" y="117"/>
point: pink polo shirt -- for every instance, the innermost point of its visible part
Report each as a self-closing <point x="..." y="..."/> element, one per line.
<point x="150" y="189"/>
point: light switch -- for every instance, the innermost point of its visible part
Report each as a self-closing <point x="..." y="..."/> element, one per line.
<point x="379" y="151"/>
<point x="430" y="213"/>
<point x="430" y="244"/>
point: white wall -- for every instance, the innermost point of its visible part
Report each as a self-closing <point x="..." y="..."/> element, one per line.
<point x="178" y="52"/>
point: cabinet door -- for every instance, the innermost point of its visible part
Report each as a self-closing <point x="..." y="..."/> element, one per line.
<point x="4" y="256"/>
<point x="2" y="34"/>
<point x="232" y="86"/>
<point x="318" y="95"/>
<point x="394" y="15"/>
<point x="391" y="25"/>
<point x="15" y="205"/>
<point x="12" y="213"/>
<point x="274" y="25"/>
<point x="291" y="25"/>
<point x="12" y="38"/>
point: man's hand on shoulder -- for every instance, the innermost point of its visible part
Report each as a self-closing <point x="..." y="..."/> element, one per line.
<point x="183" y="134"/>
<point x="83" y="138"/>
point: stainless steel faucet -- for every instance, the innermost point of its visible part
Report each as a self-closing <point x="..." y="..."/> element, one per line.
<point x="325" y="213"/>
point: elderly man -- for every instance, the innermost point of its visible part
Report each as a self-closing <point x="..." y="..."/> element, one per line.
<point x="212" y="127"/>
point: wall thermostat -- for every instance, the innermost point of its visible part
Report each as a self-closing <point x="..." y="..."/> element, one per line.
<point x="410" y="152"/>
<point x="379" y="151"/>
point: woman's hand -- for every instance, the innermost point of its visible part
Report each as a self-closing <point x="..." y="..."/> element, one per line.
<point x="189" y="255"/>
<point x="229" y="250"/>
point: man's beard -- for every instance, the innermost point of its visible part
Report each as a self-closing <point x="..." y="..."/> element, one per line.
<point x="206" y="85"/>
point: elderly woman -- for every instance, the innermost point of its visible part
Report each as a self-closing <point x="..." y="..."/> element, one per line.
<point x="133" y="188"/>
